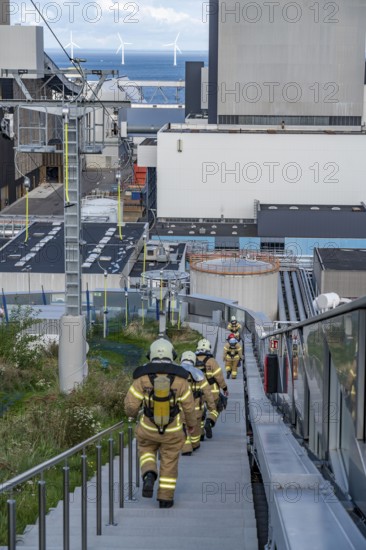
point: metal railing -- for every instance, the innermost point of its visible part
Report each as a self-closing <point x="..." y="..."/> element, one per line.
<point x="10" y="485"/>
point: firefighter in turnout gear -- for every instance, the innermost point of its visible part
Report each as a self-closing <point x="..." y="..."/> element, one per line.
<point x="206" y="362"/>
<point x="202" y="395"/>
<point x="235" y="328"/>
<point x="162" y="388"/>
<point x="232" y="356"/>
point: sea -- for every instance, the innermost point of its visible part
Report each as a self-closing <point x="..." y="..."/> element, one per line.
<point x="139" y="65"/>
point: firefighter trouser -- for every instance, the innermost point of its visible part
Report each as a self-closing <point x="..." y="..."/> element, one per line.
<point x="193" y="440"/>
<point x="169" y="446"/>
<point x="231" y="365"/>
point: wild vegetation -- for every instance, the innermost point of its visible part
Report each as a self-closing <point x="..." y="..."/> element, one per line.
<point x="37" y="422"/>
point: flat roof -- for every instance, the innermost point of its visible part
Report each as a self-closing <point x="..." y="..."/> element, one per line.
<point x="199" y="229"/>
<point x="312" y="221"/>
<point x="259" y="129"/>
<point x="342" y="259"/>
<point x="176" y="254"/>
<point x="44" y="250"/>
<point x="149" y="141"/>
<point x="315" y="207"/>
<point x="48" y="199"/>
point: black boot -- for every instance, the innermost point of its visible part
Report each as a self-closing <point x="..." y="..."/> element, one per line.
<point x="166" y="503"/>
<point x="228" y="373"/>
<point x="148" y="486"/>
<point x="202" y="438"/>
<point x="208" y="428"/>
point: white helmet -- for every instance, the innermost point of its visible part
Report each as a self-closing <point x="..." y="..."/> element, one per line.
<point x="189" y="356"/>
<point x="204" y="345"/>
<point x="233" y="319"/>
<point x="162" y="349"/>
<point x="233" y="341"/>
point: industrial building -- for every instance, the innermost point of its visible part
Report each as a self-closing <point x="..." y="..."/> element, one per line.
<point x="39" y="263"/>
<point x="291" y="63"/>
<point x="340" y="270"/>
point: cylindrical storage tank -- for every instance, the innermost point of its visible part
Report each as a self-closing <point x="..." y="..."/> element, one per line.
<point x="251" y="279"/>
<point x="328" y="300"/>
<point x="105" y="209"/>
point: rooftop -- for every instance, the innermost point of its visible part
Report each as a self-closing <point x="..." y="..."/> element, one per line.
<point x="316" y="207"/>
<point x="257" y="129"/>
<point x="176" y="253"/>
<point x="44" y="250"/>
<point x="208" y="228"/>
<point x="342" y="259"/>
<point x="312" y="221"/>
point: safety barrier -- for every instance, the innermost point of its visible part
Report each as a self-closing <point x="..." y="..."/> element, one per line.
<point x="9" y="486"/>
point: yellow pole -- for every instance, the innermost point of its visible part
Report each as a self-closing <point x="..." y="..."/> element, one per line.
<point x="105" y="291"/>
<point x="172" y="310"/>
<point x="144" y="262"/>
<point x="119" y="211"/>
<point x="179" y="314"/>
<point x="126" y="296"/>
<point x="67" y="161"/>
<point x="26" y="215"/>
<point x="161" y="291"/>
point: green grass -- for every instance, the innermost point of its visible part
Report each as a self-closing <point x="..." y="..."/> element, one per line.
<point x="38" y="422"/>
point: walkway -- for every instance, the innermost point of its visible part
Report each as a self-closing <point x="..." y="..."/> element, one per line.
<point x="213" y="502"/>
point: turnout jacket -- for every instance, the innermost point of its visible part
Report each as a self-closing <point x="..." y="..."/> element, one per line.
<point x="232" y="352"/>
<point x="235" y="329"/>
<point x="213" y="373"/>
<point x="142" y="388"/>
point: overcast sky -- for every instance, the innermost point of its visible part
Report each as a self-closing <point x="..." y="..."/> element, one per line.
<point x="148" y="24"/>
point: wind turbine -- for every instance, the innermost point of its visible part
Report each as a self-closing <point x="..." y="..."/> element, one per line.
<point x="176" y="49"/>
<point x="71" y="45"/>
<point x="122" y="47"/>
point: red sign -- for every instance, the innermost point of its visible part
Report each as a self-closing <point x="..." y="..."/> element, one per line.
<point x="274" y="344"/>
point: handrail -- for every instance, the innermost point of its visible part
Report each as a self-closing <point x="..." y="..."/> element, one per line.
<point x="7" y="485"/>
<point x="42" y="496"/>
<point x="360" y="303"/>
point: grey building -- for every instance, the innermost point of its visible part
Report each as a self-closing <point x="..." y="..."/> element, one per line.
<point x="340" y="270"/>
<point x="287" y="63"/>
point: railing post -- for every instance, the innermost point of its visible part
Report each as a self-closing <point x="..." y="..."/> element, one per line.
<point x="99" y="488"/>
<point x="121" y="439"/>
<point x="111" y="481"/>
<point x="84" y="501"/>
<point x="129" y="462"/>
<point x="42" y="515"/>
<point x="66" y="526"/>
<point x="12" y="530"/>
<point x="137" y="464"/>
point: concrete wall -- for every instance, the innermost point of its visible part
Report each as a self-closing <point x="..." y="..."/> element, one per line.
<point x="256" y="292"/>
<point x="224" y="173"/>
<point x="347" y="284"/>
<point x="21" y="47"/>
<point x="22" y="282"/>
<point x="291" y="58"/>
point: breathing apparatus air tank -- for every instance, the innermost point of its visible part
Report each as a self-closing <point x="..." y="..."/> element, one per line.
<point x="161" y="401"/>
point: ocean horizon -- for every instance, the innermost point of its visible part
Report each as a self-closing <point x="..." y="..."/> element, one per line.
<point x="139" y="65"/>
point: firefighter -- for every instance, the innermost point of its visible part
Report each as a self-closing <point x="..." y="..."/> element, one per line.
<point x="162" y="388"/>
<point x="235" y="328"/>
<point x="232" y="356"/>
<point x="202" y="396"/>
<point x="206" y="362"/>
